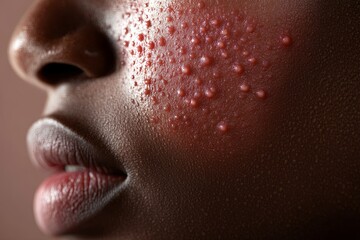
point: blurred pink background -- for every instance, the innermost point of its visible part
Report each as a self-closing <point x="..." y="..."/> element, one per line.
<point x="20" y="105"/>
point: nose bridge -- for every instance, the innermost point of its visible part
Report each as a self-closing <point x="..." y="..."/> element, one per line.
<point x="58" y="41"/>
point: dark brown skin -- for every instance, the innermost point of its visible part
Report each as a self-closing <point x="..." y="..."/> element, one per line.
<point x="291" y="171"/>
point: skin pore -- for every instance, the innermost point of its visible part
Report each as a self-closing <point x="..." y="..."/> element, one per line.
<point x="233" y="119"/>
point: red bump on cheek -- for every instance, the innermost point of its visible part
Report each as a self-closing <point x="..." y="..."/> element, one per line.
<point x="286" y="40"/>
<point x="203" y="71"/>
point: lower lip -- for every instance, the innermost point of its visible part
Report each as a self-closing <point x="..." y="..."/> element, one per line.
<point x="66" y="200"/>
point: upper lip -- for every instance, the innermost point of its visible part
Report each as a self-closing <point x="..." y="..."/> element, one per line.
<point x="53" y="146"/>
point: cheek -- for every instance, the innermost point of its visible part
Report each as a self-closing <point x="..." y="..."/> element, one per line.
<point x="203" y="76"/>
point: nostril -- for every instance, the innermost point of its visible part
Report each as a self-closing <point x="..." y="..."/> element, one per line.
<point x="55" y="73"/>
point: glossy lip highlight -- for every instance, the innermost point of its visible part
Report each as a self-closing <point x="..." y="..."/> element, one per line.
<point x="85" y="180"/>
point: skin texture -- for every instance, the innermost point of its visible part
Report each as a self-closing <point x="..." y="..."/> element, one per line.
<point x="256" y="145"/>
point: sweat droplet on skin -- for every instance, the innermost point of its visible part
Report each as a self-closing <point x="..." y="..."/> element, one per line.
<point x="198" y="62"/>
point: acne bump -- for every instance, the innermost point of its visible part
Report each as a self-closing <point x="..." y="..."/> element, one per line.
<point x="197" y="58"/>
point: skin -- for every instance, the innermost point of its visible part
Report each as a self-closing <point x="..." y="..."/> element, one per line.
<point x="265" y="150"/>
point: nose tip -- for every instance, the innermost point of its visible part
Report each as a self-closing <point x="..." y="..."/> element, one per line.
<point x="57" y="41"/>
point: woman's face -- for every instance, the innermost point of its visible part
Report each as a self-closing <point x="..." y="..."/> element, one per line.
<point x="195" y="119"/>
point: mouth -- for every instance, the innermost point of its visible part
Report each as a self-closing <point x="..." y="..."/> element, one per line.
<point x="83" y="181"/>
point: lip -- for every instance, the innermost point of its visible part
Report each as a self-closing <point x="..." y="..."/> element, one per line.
<point x="65" y="200"/>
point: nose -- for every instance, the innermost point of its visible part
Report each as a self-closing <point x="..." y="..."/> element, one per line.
<point x="59" y="41"/>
